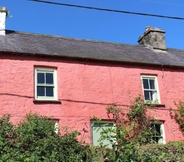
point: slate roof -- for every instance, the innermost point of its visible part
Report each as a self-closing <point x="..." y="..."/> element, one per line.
<point x="27" y="43"/>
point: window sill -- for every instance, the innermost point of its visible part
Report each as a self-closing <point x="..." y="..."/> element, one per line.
<point x="47" y="101"/>
<point x="155" y="105"/>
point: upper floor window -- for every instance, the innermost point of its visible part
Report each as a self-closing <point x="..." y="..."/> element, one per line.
<point x="150" y="89"/>
<point x="45" y="84"/>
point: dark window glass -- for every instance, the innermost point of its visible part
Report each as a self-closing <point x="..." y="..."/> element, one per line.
<point x="152" y="84"/>
<point x="157" y="129"/>
<point x="49" y="78"/>
<point x="157" y="135"/>
<point x="146" y="95"/>
<point x="49" y="91"/>
<point x="40" y="78"/>
<point x="145" y="84"/>
<point x="156" y="139"/>
<point x="40" y="91"/>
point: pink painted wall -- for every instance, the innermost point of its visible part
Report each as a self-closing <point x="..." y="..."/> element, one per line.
<point x="85" y="89"/>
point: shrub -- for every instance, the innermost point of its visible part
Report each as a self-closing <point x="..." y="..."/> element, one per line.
<point x="170" y="152"/>
<point x="7" y="138"/>
<point x="34" y="139"/>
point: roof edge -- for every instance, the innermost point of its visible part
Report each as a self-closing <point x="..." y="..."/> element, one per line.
<point x="89" y="59"/>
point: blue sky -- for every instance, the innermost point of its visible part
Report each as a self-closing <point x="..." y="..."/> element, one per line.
<point x="72" y="22"/>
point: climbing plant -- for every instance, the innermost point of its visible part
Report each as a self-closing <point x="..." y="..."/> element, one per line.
<point x="179" y="114"/>
<point x="132" y="129"/>
<point x="133" y="123"/>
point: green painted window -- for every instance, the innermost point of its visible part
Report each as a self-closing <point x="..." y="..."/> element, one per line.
<point x="97" y="130"/>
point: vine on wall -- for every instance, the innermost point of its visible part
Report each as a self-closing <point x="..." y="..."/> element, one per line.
<point x="179" y="115"/>
<point x="133" y="122"/>
<point x="132" y="129"/>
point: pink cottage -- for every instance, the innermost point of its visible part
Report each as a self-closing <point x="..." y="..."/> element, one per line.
<point x="72" y="80"/>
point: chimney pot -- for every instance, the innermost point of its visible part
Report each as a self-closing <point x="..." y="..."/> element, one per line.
<point x="147" y="28"/>
<point x="3" y="14"/>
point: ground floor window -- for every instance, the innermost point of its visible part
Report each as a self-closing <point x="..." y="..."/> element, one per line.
<point x="158" y="132"/>
<point x="97" y="130"/>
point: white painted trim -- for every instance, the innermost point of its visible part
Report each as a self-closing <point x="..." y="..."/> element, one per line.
<point x="163" y="133"/>
<point x="162" y="130"/>
<point x="156" y="86"/>
<point x="51" y="70"/>
<point x="56" y="126"/>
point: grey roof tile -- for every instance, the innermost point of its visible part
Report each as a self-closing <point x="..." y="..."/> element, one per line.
<point x="78" y="48"/>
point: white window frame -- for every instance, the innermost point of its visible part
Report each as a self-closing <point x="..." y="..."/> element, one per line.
<point x="162" y="132"/>
<point x="45" y="70"/>
<point x="156" y="90"/>
<point x="56" y="126"/>
<point x="93" y="130"/>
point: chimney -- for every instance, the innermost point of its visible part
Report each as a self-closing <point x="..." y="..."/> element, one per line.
<point x="153" y="38"/>
<point x="3" y="14"/>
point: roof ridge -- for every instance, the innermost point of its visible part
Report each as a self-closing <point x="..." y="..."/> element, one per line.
<point x="82" y="39"/>
<point x="176" y="49"/>
<point x="50" y="45"/>
<point x="69" y="38"/>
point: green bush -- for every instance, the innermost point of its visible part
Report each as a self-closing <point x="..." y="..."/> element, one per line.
<point x="7" y="138"/>
<point x="170" y="152"/>
<point x="34" y="140"/>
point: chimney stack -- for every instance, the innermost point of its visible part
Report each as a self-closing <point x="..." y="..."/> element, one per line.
<point x="3" y="14"/>
<point x="153" y="38"/>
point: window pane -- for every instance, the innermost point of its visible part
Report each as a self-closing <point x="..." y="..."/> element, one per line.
<point x="40" y="91"/>
<point x="49" y="91"/>
<point x="157" y="128"/>
<point x="154" y="95"/>
<point x="152" y="83"/>
<point x="49" y="78"/>
<point x="146" y="95"/>
<point x="40" y="78"/>
<point x="156" y="139"/>
<point x="98" y="129"/>
<point x="145" y="84"/>
<point x="157" y="135"/>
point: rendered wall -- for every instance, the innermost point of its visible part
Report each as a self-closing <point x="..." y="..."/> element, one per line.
<point x="85" y="89"/>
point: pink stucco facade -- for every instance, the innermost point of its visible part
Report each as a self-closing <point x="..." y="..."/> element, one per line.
<point x="85" y="89"/>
